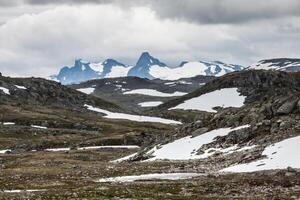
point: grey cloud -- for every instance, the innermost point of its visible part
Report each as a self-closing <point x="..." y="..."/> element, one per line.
<point x="204" y="11"/>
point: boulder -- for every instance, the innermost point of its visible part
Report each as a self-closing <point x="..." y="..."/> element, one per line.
<point x="287" y="107"/>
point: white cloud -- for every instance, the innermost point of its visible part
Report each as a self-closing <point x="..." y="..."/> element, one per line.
<point x="39" y="44"/>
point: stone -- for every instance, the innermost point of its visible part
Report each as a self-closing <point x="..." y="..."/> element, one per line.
<point x="287" y="107"/>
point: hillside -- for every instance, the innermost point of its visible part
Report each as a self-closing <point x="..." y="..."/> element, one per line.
<point x="139" y="94"/>
<point x="259" y="134"/>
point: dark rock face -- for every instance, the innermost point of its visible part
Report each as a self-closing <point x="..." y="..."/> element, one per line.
<point x="78" y="73"/>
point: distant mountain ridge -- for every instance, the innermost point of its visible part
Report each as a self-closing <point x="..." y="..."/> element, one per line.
<point x="147" y="66"/>
<point x="281" y="64"/>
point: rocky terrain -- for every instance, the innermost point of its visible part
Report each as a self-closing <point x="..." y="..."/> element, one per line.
<point x="52" y="146"/>
<point x="116" y="89"/>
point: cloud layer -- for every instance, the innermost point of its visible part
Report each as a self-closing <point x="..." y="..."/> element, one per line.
<point x="39" y="44"/>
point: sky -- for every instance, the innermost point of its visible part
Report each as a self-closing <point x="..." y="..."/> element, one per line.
<point x="38" y="37"/>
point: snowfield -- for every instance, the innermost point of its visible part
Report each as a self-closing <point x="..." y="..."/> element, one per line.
<point x="86" y="90"/>
<point x="118" y="71"/>
<point x="162" y="176"/>
<point x="5" y="90"/>
<point x="278" y="156"/>
<point x="151" y="92"/>
<point x="227" y="97"/>
<point x="138" y="118"/>
<point x="186" y="148"/>
<point x="189" y="69"/>
<point x="150" y="103"/>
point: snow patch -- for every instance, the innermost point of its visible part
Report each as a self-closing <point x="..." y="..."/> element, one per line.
<point x="86" y="90"/>
<point x="227" y="97"/>
<point x="8" y="123"/>
<point x="118" y="71"/>
<point x="39" y="127"/>
<point x="5" y="90"/>
<point x="186" y="148"/>
<point x="20" y="87"/>
<point x="138" y="118"/>
<point x="95" y="147"/>
<point x="150" y="103"/>
<point x="151" y="92"/>
<point x="162" y="176"/>
<point x="278" y="156"/>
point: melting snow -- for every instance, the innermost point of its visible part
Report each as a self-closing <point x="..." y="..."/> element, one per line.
<point x="40" y="127"/>
<point x="19" y="191"/>
<point x="86" y="90"/>
<point x="4" y="151"/>
<point x="151" y="92"/>
<point x="124" y="158"/>
<point x="20" y="87"/>
<point x="186" y="148"/>
<point x="5" y="90"/>
<point x="162" y="176"/>
<point x="279" y="156"/>
<point x="96" y="147"/>
<point x="8" y="123"/>
<point x="138" y="118"/>
<point x="227" y="97"/>
<point x="150" y="103"/>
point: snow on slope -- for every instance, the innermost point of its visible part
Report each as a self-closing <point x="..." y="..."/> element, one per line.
<point x="86" y="90"/>
<point x="5" y="90"/>
<point x="150" y="103"/>
<point x="186" y="148"/>
<point x="20" y="87"/>
<point x="227" y="97"/>
<point x="118" y="71"/>
<point x="162" y="176"/>
<point x="278" y="156"/>
<point x="138" y="118"/>
<point x="151" y="92"/>
<point x="281" y="64"/>
<point x="188" y="70"/>
<point x="191" y="69"/>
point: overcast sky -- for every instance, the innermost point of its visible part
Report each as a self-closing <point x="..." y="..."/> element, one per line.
<point x="38" y="37"/>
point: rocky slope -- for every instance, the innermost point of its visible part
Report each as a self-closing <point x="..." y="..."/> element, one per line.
<point x="121" y="90"/>
<point x="267" y="122"/>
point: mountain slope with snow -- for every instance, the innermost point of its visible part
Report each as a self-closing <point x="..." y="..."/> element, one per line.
<point x="281" y="64"/>
<point x="84" y="71"/>
<point x="191" y="69"/>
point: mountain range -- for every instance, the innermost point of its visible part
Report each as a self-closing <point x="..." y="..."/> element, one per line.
<point x="147" y="66"/>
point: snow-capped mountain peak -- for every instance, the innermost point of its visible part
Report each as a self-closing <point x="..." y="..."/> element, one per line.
<point x="144" y="63"/>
